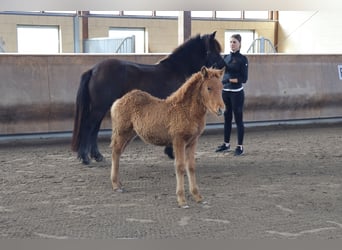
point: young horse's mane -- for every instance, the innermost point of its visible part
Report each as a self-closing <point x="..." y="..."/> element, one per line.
<point x="191" y="85"/>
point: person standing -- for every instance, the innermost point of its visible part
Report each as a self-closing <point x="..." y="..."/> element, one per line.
<point x="236" y="74"/>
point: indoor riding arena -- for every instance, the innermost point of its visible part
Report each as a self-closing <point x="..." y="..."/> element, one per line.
<point x="287" y="185"/>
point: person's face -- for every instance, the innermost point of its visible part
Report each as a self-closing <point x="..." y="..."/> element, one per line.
<point x="234" y="44"/>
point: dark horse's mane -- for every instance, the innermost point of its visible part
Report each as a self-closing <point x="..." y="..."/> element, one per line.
<point x="186" y="49"/>
<point x="175" y="54"/>
<point x="191" y="42"/>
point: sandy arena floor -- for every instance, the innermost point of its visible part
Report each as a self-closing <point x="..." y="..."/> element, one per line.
<point x="288" y="185"/>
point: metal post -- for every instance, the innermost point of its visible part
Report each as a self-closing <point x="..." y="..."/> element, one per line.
<point x="184" y="26"/>
<point x="76" y="34"/>
<point x="262" y="45"/>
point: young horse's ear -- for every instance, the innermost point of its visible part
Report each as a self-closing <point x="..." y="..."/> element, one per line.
<point x="222" y="71"/>
<point x="204" y="72"/>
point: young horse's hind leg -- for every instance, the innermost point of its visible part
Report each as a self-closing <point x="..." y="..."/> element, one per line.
<point x="118" y="144"/>
<point x="190" y="169"/>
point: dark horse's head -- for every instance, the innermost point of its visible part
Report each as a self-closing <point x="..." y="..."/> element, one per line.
<point x="198" y="51"/>
<point x="213" y="50"/>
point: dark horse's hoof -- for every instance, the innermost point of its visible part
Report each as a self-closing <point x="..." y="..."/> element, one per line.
<point x="98" y="157"/>
<point x="169" y="152"/>
<point x="84" y="160"/>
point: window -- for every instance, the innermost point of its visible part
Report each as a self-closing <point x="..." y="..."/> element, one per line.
<point x="60" y="12"/>
<point x="202" y="14"/>
<point x="139" y="34"/>
<point x="256" y="14"/>
<point x="38" y="39"/>
<point x="138" y="13"/>
<point x="109" y="13"/>
<point x="247" y="38"/>
<point x="228" y="14"/>
<point x="167" y="13"/>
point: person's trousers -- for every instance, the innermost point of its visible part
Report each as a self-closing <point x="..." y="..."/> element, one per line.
<point x="234" y="102"/>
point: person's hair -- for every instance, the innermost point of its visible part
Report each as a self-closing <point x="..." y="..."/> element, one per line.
<point x="237" y="37"/>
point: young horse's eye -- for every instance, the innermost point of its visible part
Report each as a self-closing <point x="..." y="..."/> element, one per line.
<point x="209" y="89"/>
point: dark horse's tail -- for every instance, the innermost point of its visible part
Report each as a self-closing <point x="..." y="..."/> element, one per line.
<point x="82" y="109"/>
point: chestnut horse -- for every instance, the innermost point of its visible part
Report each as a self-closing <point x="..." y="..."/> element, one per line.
<point x="110" y="79"/>
<point x="178" y="120"/>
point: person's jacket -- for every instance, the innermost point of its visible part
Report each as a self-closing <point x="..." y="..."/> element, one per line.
<point x="236" y="67"/>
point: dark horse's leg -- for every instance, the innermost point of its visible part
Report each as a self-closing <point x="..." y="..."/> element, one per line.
<point x="93" y="127"/>
<point x="88" y="137"/>
<point x="168" y="150"/>
<point x="84" y="146"/>
<point x="94" y="151"/>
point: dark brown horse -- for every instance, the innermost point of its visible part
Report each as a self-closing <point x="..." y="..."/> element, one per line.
<point x="110" y="79"/>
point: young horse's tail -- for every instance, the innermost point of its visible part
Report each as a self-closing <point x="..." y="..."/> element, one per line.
<point x="82" y="109"/>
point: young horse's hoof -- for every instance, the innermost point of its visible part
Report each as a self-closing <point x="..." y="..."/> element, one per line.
<point x="186" y="206"/>
<point x="120" y="190"/>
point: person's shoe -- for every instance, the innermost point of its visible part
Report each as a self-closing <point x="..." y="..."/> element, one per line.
<point x="238" y="151"/>
<point x="223" y="148"/>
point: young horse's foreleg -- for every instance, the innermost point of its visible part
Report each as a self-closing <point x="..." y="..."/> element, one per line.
<point x="179" y="150"/>
<point x="117" y="150"/>
<point x="180" y="171"/>
<point x="190" y="169"/>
